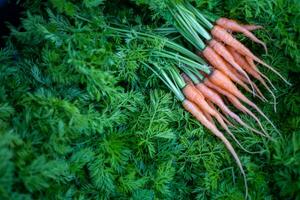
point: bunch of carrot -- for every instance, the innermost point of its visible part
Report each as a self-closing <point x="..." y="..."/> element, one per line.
<point x="232" y="63"/>
<point x="202" y="87"/>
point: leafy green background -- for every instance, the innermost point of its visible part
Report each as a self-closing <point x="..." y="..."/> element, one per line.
<point x="79" y="119"/>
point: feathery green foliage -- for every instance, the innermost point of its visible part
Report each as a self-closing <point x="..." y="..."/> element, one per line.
<point x="82" y="118"/>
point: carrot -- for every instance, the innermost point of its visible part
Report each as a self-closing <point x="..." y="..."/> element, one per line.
<point x="207" y="93"/>
<point x="248" y="65"/>
<point x="250" y="27"/>
<point x="187" y="80"/>
<point x="218" y="62"/>
<point x="197" y="113"/>
<point x="239" y="106"/>
<point x="222" y="51"/>
<point x="192" y="94"/>
<point x="234" y="26"/>
<point x="256" y="91"/>
<point x="241" y="60"/>
<point x="252" y="70"/>
<point x="222" y="81"/>
<point x="216" y="99"/>
<point x="221" y="34"/>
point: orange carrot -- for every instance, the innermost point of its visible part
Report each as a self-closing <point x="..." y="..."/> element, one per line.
<point x="241" y="60"/>
<point x="234" y="26"/>
<point x="192" y="94"/>
<point x="216" y="99"/>
<point x="221" y="34"/>
<point x="256" y="91"/>
<point x="249" y="66"/>
<point x="239" y="106"/>
<point x="218" y="62"/>
<point x="252" y="70"/>
<point x="210" y="96"/>
<point x="222" y="81"/>
<point x="196" y="112"/>
<point x="222" y="51"/>
<point x="187" y="80"/>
